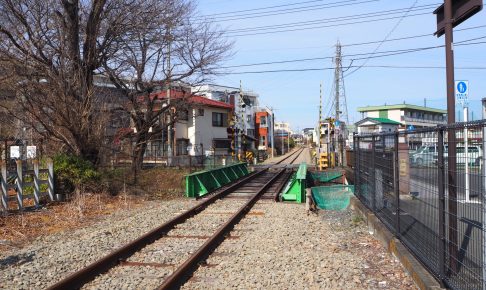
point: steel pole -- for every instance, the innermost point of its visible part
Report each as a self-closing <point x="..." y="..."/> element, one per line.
<point x="451" y="118"/>
<point x="483" y="165"/>
<point x="466" y="151"/>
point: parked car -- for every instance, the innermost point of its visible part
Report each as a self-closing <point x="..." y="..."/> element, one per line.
<point x="424" y="155"/>
<point x="473" y="156"/>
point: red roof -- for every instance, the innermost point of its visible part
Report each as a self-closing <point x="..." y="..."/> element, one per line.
<point x="175" y="94"/>
<point x="208" y="102"/>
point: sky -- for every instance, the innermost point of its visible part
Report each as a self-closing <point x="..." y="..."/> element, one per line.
<point x="295" y="95"/>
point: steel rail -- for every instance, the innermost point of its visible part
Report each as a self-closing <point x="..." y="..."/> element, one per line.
<point x="282" y="160"/>
<point x="87" y="274"/>
<point x="293" y="160"/>
<point x="279" y="189"/>
<point x="176" y="279"/>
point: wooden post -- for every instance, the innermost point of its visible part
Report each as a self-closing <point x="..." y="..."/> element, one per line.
<point x="36" y="183"/>
<point x="50" y="190"/>
<point x="20" y="185"/>
<point x="4" y="188"/>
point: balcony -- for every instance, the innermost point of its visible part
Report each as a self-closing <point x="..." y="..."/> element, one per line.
<point x="421" y="120"/>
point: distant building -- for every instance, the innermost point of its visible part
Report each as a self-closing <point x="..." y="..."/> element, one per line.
<point x="377" y="125"/>
<point x="407" y="115"/>
<point x="264" y="128"/>
<point x="245" y="106"/>
<point x="283" y="127"/>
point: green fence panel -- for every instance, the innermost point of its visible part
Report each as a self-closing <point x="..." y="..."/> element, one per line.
<point x="295" y="189"/>
<point x="203" y="182"/>
<point x="326" y="176"/>
<point x="334" y="197"/>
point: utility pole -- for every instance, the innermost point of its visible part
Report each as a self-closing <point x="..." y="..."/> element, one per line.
<point x="451" y="118"/>
<point x="169" y="128"/>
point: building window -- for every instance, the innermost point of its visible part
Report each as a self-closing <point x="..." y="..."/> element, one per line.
<point x="221" y="143"/>
<point x="181" y="146"/>
<point x="263" y="121"/>
<point x="200" y="112"/>
<point x="248" y="118"/>
<point x="262" y="140"/>
<point x="250" y="132"/>
<point x="183" y="115"/>
<point x="220" y="120"/>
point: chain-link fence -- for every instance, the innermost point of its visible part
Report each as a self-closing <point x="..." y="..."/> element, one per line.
<point x="431" y="196"/>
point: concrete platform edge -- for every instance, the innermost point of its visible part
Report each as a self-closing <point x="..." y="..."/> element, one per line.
<point x="422" y="278"/>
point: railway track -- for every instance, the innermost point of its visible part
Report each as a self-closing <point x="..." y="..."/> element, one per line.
<point x="167" y="256"/>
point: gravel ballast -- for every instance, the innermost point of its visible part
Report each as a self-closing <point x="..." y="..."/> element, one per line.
<point x="286" y="249"/>
<point x="277" y="247"/>
<point x="49" y="259"/>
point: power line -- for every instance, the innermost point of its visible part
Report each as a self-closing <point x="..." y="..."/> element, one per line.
<point x="385" y="53"/>
<point x="271" y="7"/>
<point x="386" y="37"/>
<point x="407" y="37"/>
<point x="325" y="26"/>
<point x="365" y="66"/>
<point x="289" y="10"/>
<point x="333" y="19"/>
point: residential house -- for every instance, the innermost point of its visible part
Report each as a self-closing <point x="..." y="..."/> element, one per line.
<point x="410" y="117"/>
<point x="264" y="129"/>
<point x="377" y="125"/>
<point x="245" y="105"/>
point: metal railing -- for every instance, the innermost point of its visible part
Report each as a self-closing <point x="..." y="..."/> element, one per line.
<point x="432" y="200"/>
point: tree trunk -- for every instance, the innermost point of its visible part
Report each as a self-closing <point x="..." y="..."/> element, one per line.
<point x="137" y="156"/>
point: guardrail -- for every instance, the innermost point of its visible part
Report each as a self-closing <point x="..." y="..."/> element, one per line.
<point x="203" y="182"/>
<point x="295" y="190"/>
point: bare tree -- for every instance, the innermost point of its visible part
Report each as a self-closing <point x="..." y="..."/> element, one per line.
<point x="168" y="48"/>
<point x="51" y="51"/>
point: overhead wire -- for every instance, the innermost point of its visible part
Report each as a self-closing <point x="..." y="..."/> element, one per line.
<point x="386" y="37"/>
<point x="323" y="26"/>
<point x="385" y="53"/>
<point x="332" y="19"/>
<point x="270" y="7"/>
<point x="288" y="11"/>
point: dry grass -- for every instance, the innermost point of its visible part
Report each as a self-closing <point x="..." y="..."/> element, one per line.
<point x="17" y="230"/>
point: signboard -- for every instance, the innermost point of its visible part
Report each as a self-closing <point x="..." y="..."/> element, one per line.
<point x="403" y="167"/>
<point x="461" y="11"/>
<point x="462" y="91"/>
<point x="14" y="152"/>
<point x="31" y="152"/>
<point x="410" y="128"/>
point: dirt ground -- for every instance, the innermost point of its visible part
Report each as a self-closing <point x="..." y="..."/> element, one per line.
<point x="18" y="229"/>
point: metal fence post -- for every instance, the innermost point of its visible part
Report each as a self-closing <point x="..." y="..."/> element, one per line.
<point x="20" y="185"/>
<point x="50" y="189"/>
<point x="396" y="186"/>
<point x="36" y="182"/>
<point x="357" y="160"/>
<point x="483" y="197"/>
<point x="4" y="187"/>
<point x="442" y="203"/>
<point x="373" y="173"/>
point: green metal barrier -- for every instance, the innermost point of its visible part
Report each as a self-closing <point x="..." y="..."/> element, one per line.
<point x="202" y="182"/>
<point x="295" y="189"/>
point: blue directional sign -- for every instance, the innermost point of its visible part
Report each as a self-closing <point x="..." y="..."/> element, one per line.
<point x="337" y="123"/>
<point x="462" y="91"/>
